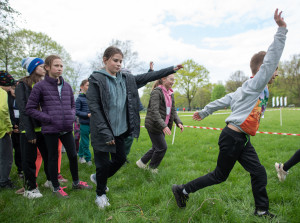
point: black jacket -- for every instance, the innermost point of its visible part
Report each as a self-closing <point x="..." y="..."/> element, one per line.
<point x="156" y="113"/>
<point x="98" y="98"/>
<point x="26" y="122"/>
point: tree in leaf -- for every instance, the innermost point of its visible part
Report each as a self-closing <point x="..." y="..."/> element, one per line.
<point x="235" y="81"/>
<point x="26" y="43"/>
<point x="288" y="81"/>
<point x="218" y="92"/>
<point x="189" y="79"/>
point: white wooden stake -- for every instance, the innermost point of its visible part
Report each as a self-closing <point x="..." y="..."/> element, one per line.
<point x="280" y="117"/>
<point x="174" y="135"/>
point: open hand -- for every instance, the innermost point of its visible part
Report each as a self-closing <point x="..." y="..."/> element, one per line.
<point x="196" y="116"/>
<point x="167" y="131"/>
<point x="278" y="19"/>
<point x="178" y="67"/>
<point x="181" y="127"/>
<point x="110" y="143"/>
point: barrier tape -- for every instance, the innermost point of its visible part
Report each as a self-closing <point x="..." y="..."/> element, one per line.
<point x="268" y="133"/>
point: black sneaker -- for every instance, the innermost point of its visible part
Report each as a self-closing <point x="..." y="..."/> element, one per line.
<point x="8" y="185"/>
<point x="264" y="214"/>
<point x="180" y="197"/>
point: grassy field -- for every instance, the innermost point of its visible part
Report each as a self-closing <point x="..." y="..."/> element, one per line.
<point x="139" y="196"/>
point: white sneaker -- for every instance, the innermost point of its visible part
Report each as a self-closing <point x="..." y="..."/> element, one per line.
<point x="82" y="160"/>
<point x="281" y="174"/>
<point x="155" y="171"/>
<point x="89" y="163"/>
<point x="140" y="164"/>
<point x="35" y="193"/>
<point x="48" y="184"/>
<point x="102" y="201"/>
<point x="93" y="179"/>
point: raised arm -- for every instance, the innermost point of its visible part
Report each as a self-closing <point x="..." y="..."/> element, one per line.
<point x="272" y="57"/>
<point x="143" y="79"/>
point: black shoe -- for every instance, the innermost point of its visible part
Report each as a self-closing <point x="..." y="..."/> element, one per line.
<point x="8" y="185"/>
<point x="180" y="197"/>
<point x="264" y="214"/>
<point x="20" y="175"/>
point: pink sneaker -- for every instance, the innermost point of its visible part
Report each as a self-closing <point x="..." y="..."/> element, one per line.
<point x="60" y="192"/>
<point x="61" y="179"/>
<point x="81" y="185"/>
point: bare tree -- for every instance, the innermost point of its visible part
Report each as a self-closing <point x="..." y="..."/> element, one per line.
<point x="130" y="59"/>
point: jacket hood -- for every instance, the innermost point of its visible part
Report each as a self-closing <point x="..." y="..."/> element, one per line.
<point x="105" y="73"/>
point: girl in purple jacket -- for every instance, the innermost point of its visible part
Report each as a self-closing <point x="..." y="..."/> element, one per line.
<point x="55" y="97"/>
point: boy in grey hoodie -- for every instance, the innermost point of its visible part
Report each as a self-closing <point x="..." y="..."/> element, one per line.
<point x="247" y="104"/>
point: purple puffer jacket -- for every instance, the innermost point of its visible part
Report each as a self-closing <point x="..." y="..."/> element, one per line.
<point x="58" y="114"/>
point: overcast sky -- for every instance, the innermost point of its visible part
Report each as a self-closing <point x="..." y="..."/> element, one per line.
<point x="221" y="35"/>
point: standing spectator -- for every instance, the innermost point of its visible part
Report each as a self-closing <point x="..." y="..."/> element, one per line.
<point x="15" y="136"/>
<point x="84" y="114"/>
<point x="31" y="137"/>
<point x="6" y="152"/>
<point x="55" y="96"/>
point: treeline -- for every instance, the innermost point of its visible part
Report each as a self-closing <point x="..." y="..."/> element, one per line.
<point x="192" y="87"/>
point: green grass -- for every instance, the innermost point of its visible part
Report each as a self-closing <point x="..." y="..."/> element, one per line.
<point x="138" y="196"/>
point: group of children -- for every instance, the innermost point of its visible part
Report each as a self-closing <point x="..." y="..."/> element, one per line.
<point x="108" y="110"/>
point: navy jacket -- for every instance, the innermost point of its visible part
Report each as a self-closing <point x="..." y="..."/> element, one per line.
<point x="82" y="109"/>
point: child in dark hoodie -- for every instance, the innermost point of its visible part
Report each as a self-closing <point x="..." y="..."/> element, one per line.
<point x="113" y="100"/>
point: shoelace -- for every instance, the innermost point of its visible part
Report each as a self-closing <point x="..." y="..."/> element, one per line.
<point x="83" y="183"/>
<point x="61" y="191"/>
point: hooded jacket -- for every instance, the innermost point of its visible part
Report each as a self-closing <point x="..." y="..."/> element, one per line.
<point x="58" y="112"/>
<point x="157" y="112"/>
<point x="249" y="102"/>
<point x="98" y="96"/>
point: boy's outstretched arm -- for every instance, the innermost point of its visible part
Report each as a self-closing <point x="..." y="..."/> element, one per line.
<point x="278" y="19"/>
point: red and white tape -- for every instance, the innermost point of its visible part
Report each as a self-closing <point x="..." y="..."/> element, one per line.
<point x="211" y="128"/>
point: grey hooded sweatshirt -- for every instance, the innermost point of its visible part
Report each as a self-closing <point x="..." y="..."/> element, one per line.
<point x="249" y="102"/>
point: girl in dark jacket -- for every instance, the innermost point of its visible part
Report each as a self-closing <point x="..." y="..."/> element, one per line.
<point x="84" y="114"/>
<point x="55" y="96"/>
<point x="114" y="104"/>
<point x="30" y="128"/>
<point x="159" y="120"/>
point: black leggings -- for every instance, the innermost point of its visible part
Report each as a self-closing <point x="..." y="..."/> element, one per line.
<point x="292" y="161"/>
<point x="29" y="153"/>
<point x="67" y="140"/>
